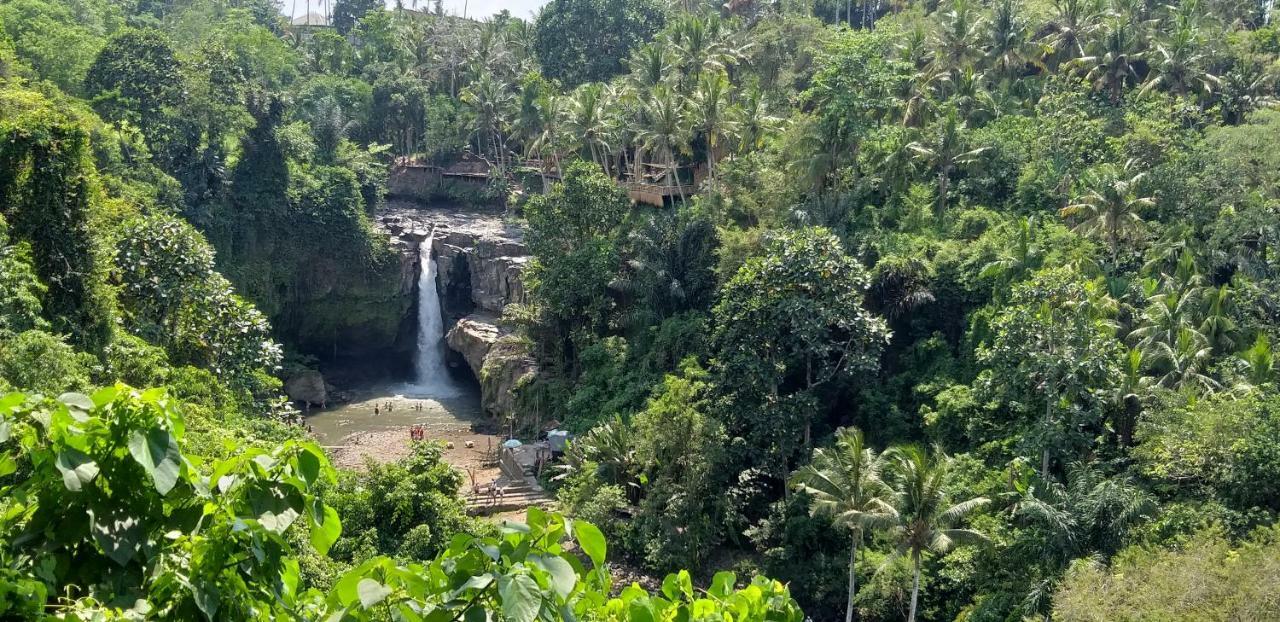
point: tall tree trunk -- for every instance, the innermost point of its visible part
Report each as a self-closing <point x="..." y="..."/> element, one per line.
<point x="675" y="172"/>
<point x="944" y="184"/>
<point x="915" y="588"/>
<point x="853" y="577"/>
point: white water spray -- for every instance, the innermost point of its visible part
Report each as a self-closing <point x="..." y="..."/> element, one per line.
<point x="429" y="361"/>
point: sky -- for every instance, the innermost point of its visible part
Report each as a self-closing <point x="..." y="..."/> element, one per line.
<point x="473" y="8"/>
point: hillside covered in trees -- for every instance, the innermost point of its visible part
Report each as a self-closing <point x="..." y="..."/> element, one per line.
<point x="930" y="310"/>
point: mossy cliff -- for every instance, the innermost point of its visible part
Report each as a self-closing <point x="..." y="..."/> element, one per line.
<point x="296" y="237"/>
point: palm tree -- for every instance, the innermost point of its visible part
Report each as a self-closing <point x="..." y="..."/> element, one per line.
<point x="609" y="448"/>
<point x="1009" y="48"/>
<point x="754" y="121"/>
<point x="1111" y="65"/>
<point x="330" y="126"/>
<point x="650" y="66"/>
<point x="944" y="151"/>
<point x="713" y="115"/>
<point x="545" y="144"/>
<point x="491" y="106"/>
<point x="924" y="513"/>
<point x="1091" y="513"/>
<point x="1216" y="324"/>
<point x="1015" y="261"/>
<point x="665" y="130"/>
<point x="1186" y="360"/>
<point x="957" y="41"/>
<point x="587" y="121"/>
<point x="1178" y="64"/>
<point x="1259" y="361"/>
<point x="1246" y="87"/>
<point x="844" y="482"/>
<point x="1073" y="24"/>
<point x="1111" y="207"/>
<point x="702" y="44"/>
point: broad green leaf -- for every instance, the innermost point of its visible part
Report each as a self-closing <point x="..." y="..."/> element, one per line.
<point x="371" y="592"/>
<point x="521" y="598"/>
<point x="105" y="396"/>
<point x="476" y="614"/>
<point x="77" y="401"/>
<point x="686" y="583"/>
<point x="592" y="542"/>
<point x="276" y="507"/>
<point x="76" y="468"/>
<point x="208" y="598"/>
<point x="118" y="534"/>
<point x="309" y="467"/>
<point x="563" y="578"/>
<point x="641" y="611"/>
<point x="325" y="526"/>
<point x="157" y="452"/>
<point x="290" y="574"/>
<point x="722" y="584"/>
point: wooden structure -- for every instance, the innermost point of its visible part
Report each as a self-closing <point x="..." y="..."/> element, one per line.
<point x="655" y="187"/>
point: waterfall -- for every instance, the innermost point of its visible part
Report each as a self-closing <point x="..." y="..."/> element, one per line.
<point x="429" y="361"/>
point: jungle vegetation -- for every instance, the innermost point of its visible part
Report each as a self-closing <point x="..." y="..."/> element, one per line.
<point x="958" y="310"/>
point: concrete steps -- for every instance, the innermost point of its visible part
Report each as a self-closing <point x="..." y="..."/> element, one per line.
<point x="514" y="498"/>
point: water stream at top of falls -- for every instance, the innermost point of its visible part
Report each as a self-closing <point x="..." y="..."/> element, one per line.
<point x="432" y="372"/>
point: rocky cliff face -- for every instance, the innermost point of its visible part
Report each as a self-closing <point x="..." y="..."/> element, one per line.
<point x="479" y="259"/>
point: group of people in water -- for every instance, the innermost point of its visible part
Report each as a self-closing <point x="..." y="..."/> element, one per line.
<point x="417" y="433"/>
<point x="388" y="406"/>
<point x="300" y="421"/>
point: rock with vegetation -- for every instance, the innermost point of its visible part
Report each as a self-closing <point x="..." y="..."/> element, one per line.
<point x="307" y="387"/>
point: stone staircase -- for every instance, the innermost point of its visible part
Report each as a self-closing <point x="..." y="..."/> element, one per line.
<point x="515" y="496"/>
<point x="516" y="489"/>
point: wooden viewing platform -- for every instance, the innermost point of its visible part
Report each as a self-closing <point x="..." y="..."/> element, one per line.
<point x="656" y="194"/>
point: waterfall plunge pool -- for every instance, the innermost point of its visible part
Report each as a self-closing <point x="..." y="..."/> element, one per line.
<point x="447" y="410"/>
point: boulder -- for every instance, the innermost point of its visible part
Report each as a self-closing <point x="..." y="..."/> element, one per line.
<point x="473" y="337"/>
<point x="307" y="387"/>
<point x="498" y="359"/>
<point x="507" y="367"/>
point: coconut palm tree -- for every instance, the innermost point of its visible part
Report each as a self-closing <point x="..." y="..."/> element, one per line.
<point x="1009" y="49"/>
<point x="586" y="120"/>
<point x="754" y="121"/>
<point x="1111" y="66"/>
<point x="665" y="129"/>
<point x="1179" y="62"/>
<point x="650" y="66"/>
<point x="546" y="144"/>
<point x="944" y="150"/>
<point x="1216" y="324"/>
<point x="957" y="42"/>
<point x="713" y="115"/>
<point x="1110" y="208"/>
<point x="1247" y="86"/>
<point x="1016" y="261"/>
<point x="1259" y="361"/>
<point x="702" y="44"/>
<point x="491" y="104"/>
<point x="1186" y="360"/>
<point x="844" y="483"/>
<point x="924" y="515"/>
<point x="1073" y="25"/>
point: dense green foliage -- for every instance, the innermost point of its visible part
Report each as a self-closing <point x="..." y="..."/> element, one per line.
<point x="1036" y="238"/>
